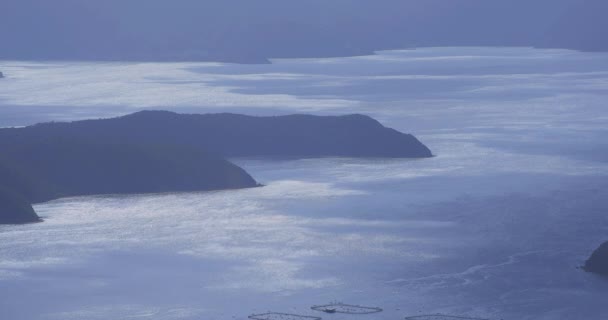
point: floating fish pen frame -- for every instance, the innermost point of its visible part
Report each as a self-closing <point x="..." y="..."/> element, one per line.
<point x="281" y="316"/>
<point x="441" y="317"/>
<point x="346" y="308"/>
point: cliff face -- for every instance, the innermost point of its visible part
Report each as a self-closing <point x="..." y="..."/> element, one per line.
<point x="598" y="262"/>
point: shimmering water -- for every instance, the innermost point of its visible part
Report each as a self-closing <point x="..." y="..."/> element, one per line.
<point x="494" y="226"/>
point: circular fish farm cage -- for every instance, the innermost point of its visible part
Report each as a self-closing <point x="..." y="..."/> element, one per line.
<point x="281" y="316"/>
<point x="441" y="317"/>
<point x="346" y="308"/>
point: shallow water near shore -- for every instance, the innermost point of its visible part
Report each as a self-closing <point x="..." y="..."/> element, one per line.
<point x="494" y="226"/>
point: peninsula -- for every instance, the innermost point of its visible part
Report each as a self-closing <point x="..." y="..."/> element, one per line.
<point x="161" y="151"/>
<point x="598" y="262"/>
<point x="235" y="135"/>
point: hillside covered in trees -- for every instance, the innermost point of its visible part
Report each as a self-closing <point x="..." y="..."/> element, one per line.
<point x="46" y="169"/>
<point x="234" y="135"/>
<point x="160" y="151"/>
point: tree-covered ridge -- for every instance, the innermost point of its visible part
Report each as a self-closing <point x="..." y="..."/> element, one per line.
<point x="159" y="151"/>
<point x="50" y="169"/>
<point x="234" y="135"/>
<point x="68" y="168"/>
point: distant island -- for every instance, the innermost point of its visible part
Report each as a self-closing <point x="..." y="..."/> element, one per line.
<point x="161" y="151"/>
<point x="598" y="262"/>
<point x="235" y="135"/>
<point x="1" y="75"/>
<point x="246" y="31"/>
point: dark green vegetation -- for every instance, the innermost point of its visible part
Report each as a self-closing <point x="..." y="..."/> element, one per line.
<point x="159" y="151"/>
<point x="46" y="169"/>
<point x="598" y="262"/>
<point x="233" y="135"/>
<point x="58" y="168"/>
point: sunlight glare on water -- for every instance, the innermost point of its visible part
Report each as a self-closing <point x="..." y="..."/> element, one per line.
<point x="494" y="226"/>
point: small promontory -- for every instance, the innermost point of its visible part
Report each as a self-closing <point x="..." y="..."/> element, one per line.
<point x="598" y="262"/>
<point x="15" y="209"/>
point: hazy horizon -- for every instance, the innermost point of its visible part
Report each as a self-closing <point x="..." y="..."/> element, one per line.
<point x="254" y="31"/>
<point x="472" y="184"/>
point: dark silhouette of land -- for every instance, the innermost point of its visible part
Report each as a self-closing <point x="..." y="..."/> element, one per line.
<point x="15" y="209"/>
<point x="161" y="151"/>
<point x="46" y="169"/>
<point x="598" y="262"/>
<point x="248" y="31"/>
<point x="234" y="135"/>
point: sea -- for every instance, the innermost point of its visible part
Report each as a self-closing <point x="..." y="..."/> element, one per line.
<point x="495" y="226"/>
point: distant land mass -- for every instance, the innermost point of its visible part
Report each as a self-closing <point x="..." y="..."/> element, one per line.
<point x="46" y="169"/>
<point x="246" y="31"/>
<point x="161" y="151"/>
<point x="235" y="135"/>
<point x="598" y="262"/>
<point x="15" y="209"/>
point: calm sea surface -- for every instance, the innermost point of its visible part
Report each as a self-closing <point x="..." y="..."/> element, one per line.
<point x="494" y="226"/>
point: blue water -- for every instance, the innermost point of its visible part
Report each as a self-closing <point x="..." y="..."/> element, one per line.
<point x="494" y="226"/>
